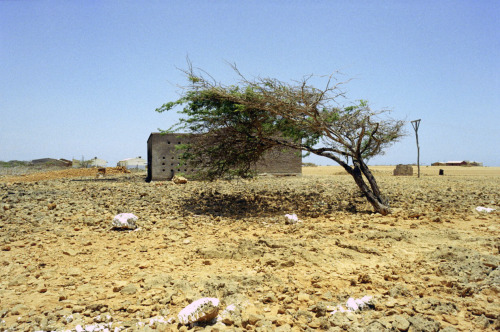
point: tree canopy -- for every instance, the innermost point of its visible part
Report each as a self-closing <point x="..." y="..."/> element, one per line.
<point x="236" y="124"/>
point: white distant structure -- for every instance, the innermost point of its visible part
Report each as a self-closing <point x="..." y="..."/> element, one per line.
<point x="133" y="163"/>
<point x="458" y="163"/>
<point x="95" y="162"/>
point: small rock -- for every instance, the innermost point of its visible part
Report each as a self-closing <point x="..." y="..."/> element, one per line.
<point x="133" y="308"/>
<point x="315" y="323"/>
<point x="400" y="323"/>
<point x="364" y="279"/>
<point x="252" y="318"/>
<point x="436" y="219"/>
<point x="51" y="206"/>
<point x="303" y="297"/>
<point x="130" y="289"/>
<point x="69" y="252"/>
<point x="450" y="319"/>
<point x="288" y="262"/>
<point x="124" y="221"/>
<point x="19" y="309"/>
<point x="283" y="328"/>
<point x="179" y="180"/>
<point x="423" y="323"/>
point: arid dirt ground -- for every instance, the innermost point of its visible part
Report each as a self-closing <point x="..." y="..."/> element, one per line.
<point x="432" y="265"/>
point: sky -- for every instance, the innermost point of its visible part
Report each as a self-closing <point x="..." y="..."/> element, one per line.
<point x="82" y="79"/>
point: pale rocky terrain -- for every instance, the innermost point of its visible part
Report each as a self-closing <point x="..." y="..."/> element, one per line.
<point x="432" y="265"/>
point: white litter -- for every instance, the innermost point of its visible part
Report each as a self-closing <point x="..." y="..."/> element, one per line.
<point x="202" y="310"/>
<point x="230" y="307"/>
<point x="124" y="221"/>
<point x="291" y="219"/>
<point x="484" y="209"/>
<point x="353" y="304"/>
<point x="160" y="320"/>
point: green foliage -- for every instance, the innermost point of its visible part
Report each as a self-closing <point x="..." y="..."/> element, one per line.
<point x="13" y="163"/>
<point x="236" y="124"/>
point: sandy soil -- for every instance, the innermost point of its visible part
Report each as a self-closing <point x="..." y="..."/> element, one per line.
<point x="424" y="170"/>
<point x="432" y="265"/>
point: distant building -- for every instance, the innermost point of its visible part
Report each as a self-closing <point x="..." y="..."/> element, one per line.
<point x="51" y="162"/>
<point x="164" y="159"/>
<point x="457" y="163"/>
<point x="96" y="162"/>
<point x="133" y="163"/>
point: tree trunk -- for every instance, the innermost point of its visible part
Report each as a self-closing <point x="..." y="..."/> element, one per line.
<point x="371" y="180"/>
<point x="359" y="168"/>
<point x="374" y="199"/>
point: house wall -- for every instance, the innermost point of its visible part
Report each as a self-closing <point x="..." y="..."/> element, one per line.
<point x="164" y="161"/>
<point x="132" y="163"/>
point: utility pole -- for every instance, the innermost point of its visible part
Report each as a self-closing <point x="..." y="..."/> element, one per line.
<point x="416" y="124"/>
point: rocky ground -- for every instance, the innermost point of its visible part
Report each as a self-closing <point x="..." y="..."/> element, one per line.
<point x="432" y="265"/>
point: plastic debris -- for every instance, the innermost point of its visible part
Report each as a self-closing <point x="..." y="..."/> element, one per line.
<point x="124" y="221"/>
<point x="202" y="310"/>
<point x="160" y="320"/>
<point x="291" y="219"/>
<point x="353" y="304"/>
<point x="484" y="209"/>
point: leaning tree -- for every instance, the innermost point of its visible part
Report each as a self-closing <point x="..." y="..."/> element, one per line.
<point x="236" y="124"/>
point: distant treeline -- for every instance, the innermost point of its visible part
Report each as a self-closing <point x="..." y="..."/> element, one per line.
<point x="14" y="163"/>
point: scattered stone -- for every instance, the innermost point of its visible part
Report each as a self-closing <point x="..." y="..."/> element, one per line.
<point x="19" y="309"/>
<point x="450" y="319"/>
<point x="448" y="329"/>
<point x="240" y="248"/>
<point x="230" y="315"/>
<point x="436" y="219"/>
<point x="364" y="279"/>
<point x="423" y="323"/>
<point x="69" y="252"/>
<point x="179" y="179"/>
<point x="400" y="323"/>
<point x="124" y="221"/>
<point x="130" y="289"/>
<point x="303" y="297"/>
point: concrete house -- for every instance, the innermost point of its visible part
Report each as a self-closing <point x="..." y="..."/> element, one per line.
<point x="164" y="161"/>
<point x="95" y="162"/>
<point x="133" y="163"/>
<point x="458" y="163"/>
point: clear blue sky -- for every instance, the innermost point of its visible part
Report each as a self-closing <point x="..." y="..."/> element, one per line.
<point x="83" y="78"/>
